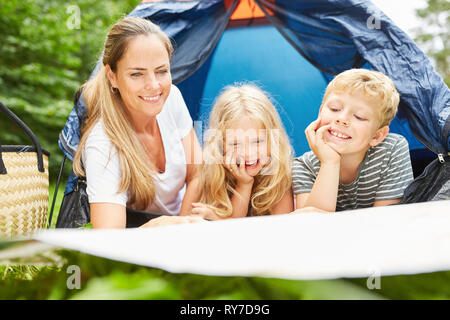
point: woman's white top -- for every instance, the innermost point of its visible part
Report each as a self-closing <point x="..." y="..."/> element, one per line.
<point x="101" y="161"/>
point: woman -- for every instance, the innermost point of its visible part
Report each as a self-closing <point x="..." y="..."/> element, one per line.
<point x="138" y="143"/>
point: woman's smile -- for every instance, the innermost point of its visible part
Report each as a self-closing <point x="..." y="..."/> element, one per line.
<point x="151" y="99"/>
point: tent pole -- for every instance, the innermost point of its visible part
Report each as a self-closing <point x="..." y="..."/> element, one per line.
<point x="56" y="191"/>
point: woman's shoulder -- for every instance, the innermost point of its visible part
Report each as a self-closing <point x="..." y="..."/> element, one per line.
<point x="174" y="91"/>
<point x="175" y="112"/>
<point x="175" y="97"/>
<point x="97" y="135"/>
<point x="98" y="148"/>
<point x="98" y="128"/>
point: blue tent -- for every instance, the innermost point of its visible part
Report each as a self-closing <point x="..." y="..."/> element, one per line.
<point x="293" y="57"/>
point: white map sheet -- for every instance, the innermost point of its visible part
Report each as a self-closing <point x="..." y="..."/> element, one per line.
<point x="402" y="239"/>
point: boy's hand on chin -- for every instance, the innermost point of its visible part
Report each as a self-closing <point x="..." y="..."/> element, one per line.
<point x="316" y="140"/>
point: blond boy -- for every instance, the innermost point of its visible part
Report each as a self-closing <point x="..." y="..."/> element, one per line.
<point x="354" y="161"/>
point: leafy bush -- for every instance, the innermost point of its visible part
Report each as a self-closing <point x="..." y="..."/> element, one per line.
<point x="434" y="35"/>
<point x="48" y="50"/>
<point x="106" y="279"/>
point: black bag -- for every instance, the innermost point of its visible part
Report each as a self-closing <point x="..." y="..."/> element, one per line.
<point x="74" y="211"/>
<point x="433" y="184"/>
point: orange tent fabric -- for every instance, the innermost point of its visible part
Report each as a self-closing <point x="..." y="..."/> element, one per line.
<point x="245" y="9"/>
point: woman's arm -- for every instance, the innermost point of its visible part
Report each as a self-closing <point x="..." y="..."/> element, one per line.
<point x="285" y="205"/>
<point x="108" y="216"/>
<point x="193" y="153"/>
<point x="113" y="216"/>
<point x="102" y="170"/>
<point x="191" y="195"/>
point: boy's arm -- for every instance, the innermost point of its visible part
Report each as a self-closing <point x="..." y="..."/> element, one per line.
<point x="380" y="203"/>
<point x="324" y="192"/>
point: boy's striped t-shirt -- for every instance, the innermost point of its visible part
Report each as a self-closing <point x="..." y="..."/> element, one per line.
<point x="384" y="174"/>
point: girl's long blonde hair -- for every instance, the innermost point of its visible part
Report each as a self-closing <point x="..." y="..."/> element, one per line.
<point x="105" y="104"/>
<point x="218" y="184"/>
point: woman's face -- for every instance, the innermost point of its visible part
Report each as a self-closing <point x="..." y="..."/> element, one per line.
<point x="143" y="76"/>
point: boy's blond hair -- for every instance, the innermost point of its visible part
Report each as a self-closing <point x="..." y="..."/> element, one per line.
<point x="373" y="84"/>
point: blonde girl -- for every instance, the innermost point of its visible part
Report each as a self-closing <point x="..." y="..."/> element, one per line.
<point x="246" y="168"/>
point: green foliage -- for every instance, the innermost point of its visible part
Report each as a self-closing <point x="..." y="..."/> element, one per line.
<point x="421" y="286"/>
<point x="106" y="279"/>
<point x="48" y="50"/>
<point x="119" y="286"/>
<point x="435" y="37"/>
<point x="58" y="202"/>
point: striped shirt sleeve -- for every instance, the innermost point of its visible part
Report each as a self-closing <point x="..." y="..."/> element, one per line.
<point x="303" y="174"/>
<point x="398" y="173"/>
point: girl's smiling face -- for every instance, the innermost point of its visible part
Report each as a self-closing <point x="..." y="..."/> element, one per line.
<point x="354" y="122"/>
<point x="246" y="140"/>
<point x="143" y="76"/>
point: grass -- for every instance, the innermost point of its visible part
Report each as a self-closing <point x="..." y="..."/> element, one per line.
<point x="58" y="202"/>
<point x="106" y="279"/>
<point x="100" y="278"/>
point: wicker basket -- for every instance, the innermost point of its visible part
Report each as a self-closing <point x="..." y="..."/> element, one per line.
<point x="23" y="185"/>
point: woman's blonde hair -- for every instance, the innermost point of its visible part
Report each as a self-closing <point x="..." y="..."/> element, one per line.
<point x="218" y="184"/>
<point x="373" y="84"/>
<point x="105" y="104"/>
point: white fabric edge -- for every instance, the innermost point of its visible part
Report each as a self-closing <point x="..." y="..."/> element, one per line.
<point x="382" y="241"/>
